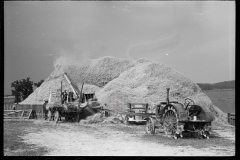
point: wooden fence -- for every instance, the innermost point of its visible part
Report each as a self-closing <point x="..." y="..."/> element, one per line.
<point x="38" y="108"/>
<point x="231" y="118"/>
<point x="8" y="106"/>
<point x="20" y="114"/>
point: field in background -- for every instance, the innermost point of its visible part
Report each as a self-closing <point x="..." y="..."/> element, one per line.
<point x="223" y="99"/>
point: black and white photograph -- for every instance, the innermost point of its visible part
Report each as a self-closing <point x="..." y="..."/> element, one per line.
<point x="119" y="78"/>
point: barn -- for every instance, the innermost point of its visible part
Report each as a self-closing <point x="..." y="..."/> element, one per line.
<point x="9" y="102"/>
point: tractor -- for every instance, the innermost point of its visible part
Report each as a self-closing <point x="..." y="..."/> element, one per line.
<point x="178" y="120"/>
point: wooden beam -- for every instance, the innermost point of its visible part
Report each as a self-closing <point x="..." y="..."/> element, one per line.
<point x="29" y="114"/>
<point x="22" y="113"/>
<point x="13" y="112"/>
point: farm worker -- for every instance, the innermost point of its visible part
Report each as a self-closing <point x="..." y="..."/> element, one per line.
<point x="64" y="96"/>
<point x="70" y="96"/>
<point x="45" y="111"/>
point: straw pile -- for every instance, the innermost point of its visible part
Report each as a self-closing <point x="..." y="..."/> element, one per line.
<point x="94" y="73"/>
<point x="96" y="118"/>
<point x="117" y="81"/>
<point x="99" y="118"/>
<point x="146" y="81"/>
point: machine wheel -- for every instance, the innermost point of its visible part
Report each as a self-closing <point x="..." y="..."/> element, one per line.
<point x="49" y="115"/>
<point x="170" y="122"/>
<point x="150" y="128"/>
<point x="56" y="116"/>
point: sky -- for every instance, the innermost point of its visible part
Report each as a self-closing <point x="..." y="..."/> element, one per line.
<point x="196" y="38"/>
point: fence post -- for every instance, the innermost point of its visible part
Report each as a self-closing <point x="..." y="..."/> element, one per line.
<point x="229" y="118"/>
<point x="43" y="114"/>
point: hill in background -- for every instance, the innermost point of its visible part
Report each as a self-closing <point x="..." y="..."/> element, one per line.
<point x="220" y="94"/>
<point x="220" y="85"/>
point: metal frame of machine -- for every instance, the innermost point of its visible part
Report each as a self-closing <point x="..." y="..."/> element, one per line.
<point x="70" y="110"/>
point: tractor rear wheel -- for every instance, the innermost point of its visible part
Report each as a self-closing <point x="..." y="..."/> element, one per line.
<point x="170" y="122"/>
<point x="56" y="116"/>
<point x="150" y="128"/>
<point x="49" y="115"/>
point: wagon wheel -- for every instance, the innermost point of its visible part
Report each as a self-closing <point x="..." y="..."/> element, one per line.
<point x="49" y="115"/>
<point x="56" y="116"/>
<point x="150" y="128"/>
<point x="170" y="122"/>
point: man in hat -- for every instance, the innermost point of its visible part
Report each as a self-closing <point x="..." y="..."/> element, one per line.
<point x="64" y="96"/>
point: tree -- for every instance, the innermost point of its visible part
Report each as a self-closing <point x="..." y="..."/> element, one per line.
<point x="38" y="83"/>
<point x="22" y="89"/>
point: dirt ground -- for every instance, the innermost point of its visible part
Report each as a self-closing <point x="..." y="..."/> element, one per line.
<point x="76" y="139"/>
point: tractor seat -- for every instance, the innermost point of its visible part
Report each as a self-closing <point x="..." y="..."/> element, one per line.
<point x="194" y="110"/>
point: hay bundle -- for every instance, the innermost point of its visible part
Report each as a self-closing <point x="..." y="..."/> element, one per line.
<point x="112" y="119"/>
<point x="86" y="112"/>
<point x="95" y="118"/>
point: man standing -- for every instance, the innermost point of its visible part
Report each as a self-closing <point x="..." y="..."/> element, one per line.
<point x="45" y="111"/>
<point x="64" y="96"/>
<point x="70" y="97"/>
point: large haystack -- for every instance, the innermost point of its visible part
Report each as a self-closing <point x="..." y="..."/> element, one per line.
<point x="118" y="81"/>
<point x="99" y="71"/>
<point x="94" y="73"/>
<point x="146" y="81"/>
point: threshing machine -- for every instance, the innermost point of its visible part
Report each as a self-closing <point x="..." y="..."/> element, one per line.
<point x="71" y="110"/>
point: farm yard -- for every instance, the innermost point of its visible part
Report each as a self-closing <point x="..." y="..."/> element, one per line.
<point x="43" y="138"/>
<point x="115" y="82"/>
<point x="119" y="78"/>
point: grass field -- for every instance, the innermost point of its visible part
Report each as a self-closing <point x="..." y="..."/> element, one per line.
<point x="223" y="99"/>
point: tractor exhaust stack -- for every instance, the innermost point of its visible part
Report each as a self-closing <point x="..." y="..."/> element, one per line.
<point x="61" y="93"/>
<point x="167" y="100"/>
